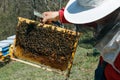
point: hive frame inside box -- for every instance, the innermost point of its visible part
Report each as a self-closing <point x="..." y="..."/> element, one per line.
<point x="18" y="52"/>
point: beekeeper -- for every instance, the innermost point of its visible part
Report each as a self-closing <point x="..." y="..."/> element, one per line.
<point x="104" y="15"/>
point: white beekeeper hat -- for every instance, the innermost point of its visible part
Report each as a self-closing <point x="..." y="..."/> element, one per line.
<point x="86" y="11"/>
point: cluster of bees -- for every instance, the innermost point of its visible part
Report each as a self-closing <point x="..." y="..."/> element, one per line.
<point x="45" y="41"/>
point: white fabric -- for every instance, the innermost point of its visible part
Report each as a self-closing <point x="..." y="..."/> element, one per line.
<point x="109" y="47"/>
<point x="77" y="14"/>
<point x="90" y="3"/>
<point x="112" y="49"/>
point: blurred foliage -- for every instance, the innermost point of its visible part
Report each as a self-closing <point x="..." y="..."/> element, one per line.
<point x="87" y="40"/>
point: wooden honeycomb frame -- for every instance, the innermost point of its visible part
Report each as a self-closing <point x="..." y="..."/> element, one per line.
<point x="42" y="59"/>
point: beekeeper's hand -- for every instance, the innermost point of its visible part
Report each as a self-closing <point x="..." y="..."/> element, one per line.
<point x="50" y="16"/>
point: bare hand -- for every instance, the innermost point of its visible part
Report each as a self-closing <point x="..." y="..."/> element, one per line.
<point x="50" y="16"/>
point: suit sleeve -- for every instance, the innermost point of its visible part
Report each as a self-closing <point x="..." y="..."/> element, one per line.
<point x="61" y="16"/>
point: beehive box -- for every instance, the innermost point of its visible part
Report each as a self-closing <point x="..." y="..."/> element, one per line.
<point x="45" y="44"/>
<point x="4" y="48"/>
